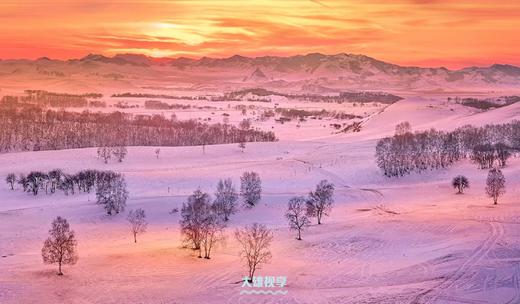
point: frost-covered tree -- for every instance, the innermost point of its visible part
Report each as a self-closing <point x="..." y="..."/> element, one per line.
<point x="201" y="226"/>
<point x="296" y="214"/>
<point x="212" y="232"/>
<point x="484" y="155"/>
<point x="22" y="181"/>
<point x="137" y="220"/>
<point x="503" y="153"/>
<point x="60" y="247"/>
<point x="67" y="184"/>
<point x="193" y="213"/>
<point x="112" y="194"/>
<point x="226" y="198"/>
<point x="320" y="200"/>
<point x="87" y="179"/>
<point x="495" y="184"/>
<point x="35" y="181"/>
<point x="460" y="183"/>
<point x="250" y="188"/>
<point x="255" y="241"/>
<point x="55" y="177"/>
<point x="10" y="179"/>
<point x="105" y="153"/>
<point x="120" y="153"/>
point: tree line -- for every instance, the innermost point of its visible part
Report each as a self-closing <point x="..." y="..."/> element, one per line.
<point x="408" y="152"/>
<point x="33" y="129"/>
<point x="50" y="99"/>
<point x="343" y="97"/>
<point x="109" y="186"/>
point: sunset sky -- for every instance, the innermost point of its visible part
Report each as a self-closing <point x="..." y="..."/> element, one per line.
<point x="408" y="32"/>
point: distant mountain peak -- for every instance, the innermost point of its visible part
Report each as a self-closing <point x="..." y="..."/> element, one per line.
<point x="507" y="69"/>
<point x="258" y="73"/>
<point x="94" y="57"/>
<point x="256" y="76"/>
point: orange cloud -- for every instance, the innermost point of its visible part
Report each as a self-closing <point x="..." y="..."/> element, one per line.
<point x="409" y="32"/>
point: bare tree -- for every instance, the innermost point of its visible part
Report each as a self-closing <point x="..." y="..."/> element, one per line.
<point x="296" y="214"/>
<point x="211" y="231"/>
<point x="225" y="199"/>
<point x="112" y="194"/>
<point x="22" y="181"/>
<point x="60" y="247"/>
<point x="320" y="201"/>
<point x="201" y="226"/>
<point x="193" y="214"/>
<point x="495" y="184"/>
<point x="137" y="220"/>
<point x="120" y="153"/>
<point x="10" y="179"/>
<point x="255" y="241"/>
<point x="460" y="183"/>
<point x="250" y="188"/>
<point x="104" y="153"/>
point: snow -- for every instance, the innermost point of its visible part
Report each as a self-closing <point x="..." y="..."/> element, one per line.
<point x="406" y="240"/>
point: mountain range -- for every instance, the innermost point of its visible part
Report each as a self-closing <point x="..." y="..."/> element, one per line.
<point x="308" y="73"/>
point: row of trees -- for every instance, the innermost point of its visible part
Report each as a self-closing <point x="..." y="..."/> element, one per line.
<point x="110" y="187"/>
<point x="408" y="152"/>
<point x="487" y="155"/>
<point x="33" y="129"/>
<point x="118" y="152"/>
<point x="61" y="245"/>
<point x="361" y="97"/>
<point x="49" y="99"/>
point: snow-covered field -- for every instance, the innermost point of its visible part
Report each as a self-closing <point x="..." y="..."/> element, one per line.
<point x="406" y="240"/>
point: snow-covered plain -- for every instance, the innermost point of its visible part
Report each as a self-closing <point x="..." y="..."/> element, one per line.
<point x="406" y="240"/>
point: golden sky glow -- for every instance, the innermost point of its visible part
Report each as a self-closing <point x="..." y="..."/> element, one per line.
<point x="421" y="32"/>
